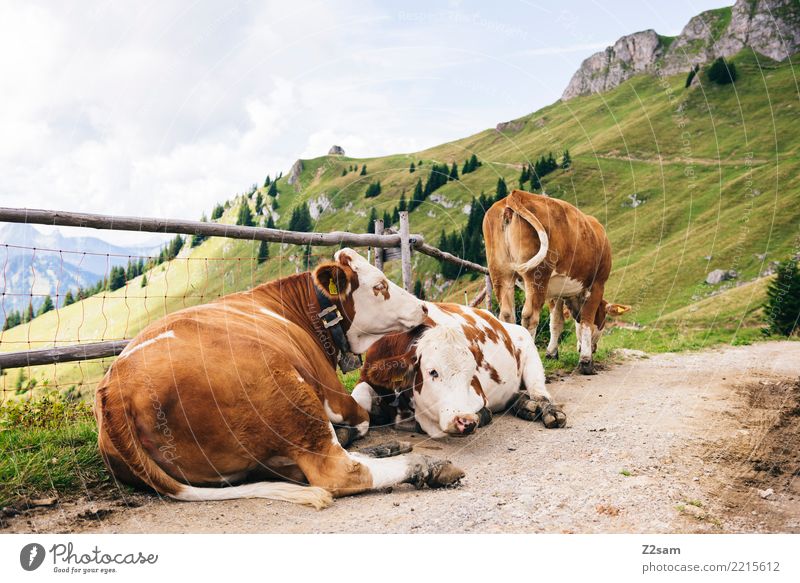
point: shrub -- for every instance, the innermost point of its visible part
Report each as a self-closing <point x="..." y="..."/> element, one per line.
<point x="52" y="410"/>
<point x="721" y="73"/>
<point x="782" y="309"/>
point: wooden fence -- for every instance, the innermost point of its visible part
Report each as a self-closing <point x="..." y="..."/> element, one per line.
<point x="404" y="240"/>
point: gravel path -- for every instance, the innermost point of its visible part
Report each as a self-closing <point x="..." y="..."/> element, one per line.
<point x="659" y="444"/>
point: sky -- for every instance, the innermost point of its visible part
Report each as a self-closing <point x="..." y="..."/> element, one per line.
<point x="164" y="108"/>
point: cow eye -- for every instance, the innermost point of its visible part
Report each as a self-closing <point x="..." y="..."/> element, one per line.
<point x="433" y="373"/>
<point x="380" y="287"/>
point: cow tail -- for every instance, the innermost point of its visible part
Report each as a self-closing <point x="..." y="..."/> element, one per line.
<point x="516" y="203"/>
<point x="117" y="422"/>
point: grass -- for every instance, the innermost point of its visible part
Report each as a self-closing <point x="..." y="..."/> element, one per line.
<point x="48" y="447"/>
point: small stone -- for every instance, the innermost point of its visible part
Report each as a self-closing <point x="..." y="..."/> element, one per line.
<point x="766" y="493"/>
<point x="43" y="502"/>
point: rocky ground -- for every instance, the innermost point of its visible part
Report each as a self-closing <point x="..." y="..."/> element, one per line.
<point x="692" y="442"/>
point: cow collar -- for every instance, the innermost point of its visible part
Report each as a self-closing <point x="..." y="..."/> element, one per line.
<point x="331" y="319"/>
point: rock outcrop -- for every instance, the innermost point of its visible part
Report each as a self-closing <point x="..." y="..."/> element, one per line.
<point x="294" y="173"/>
<point x="336" y="151"/>
<point x="769" y="27"/>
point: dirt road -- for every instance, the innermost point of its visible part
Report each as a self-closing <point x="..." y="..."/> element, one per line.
<point x="687" y="442"/>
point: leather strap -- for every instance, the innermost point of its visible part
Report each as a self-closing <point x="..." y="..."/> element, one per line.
<point x="331" y="320"/>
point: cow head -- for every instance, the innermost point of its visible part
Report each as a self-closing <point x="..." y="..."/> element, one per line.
<point x="370" y="304"/>
<point x="604" y="311"/>
<point x="448" y="398"/>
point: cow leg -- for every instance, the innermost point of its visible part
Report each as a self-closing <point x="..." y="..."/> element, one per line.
<point x="349" y="417"/>
<point x="536" y="403"/>
<point x="388" y="449"/>
<point x="503" y="285"/>
<point x="535" y="289"/>
<point x="343" y="473"/>
<point x="556" y="328"/>
<point x="587" y="329"/>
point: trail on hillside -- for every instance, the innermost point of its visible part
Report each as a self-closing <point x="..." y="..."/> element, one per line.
<point x="692" y="442"/>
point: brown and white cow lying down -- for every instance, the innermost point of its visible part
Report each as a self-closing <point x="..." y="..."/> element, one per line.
<point x="449" y="374"/>
<point x="244" y="389"/>
<point x="561" y="254"/>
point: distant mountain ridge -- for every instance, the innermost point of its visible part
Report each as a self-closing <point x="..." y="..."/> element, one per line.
<point x="31" y="267"/>
<point x="769" y="27"/>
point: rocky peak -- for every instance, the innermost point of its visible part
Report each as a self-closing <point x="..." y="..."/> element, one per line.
<point x="294" y="173"/>
<point x="769" y="27"/>
<point x="336" y="151"/>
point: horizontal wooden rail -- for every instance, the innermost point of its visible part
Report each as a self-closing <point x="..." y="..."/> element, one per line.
<point x="62" y="354"/>
<point x="423" y="247"/>
<point x="184" y="227"/>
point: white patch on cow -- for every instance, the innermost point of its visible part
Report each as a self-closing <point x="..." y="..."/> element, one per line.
<point x="375" y="315"/>
<point x="385" y="471"/>
<point x="131" y="349"/>
<point x="586" y="341"/>
<point x="273" y="314"/>
<point x="363" y="394"/>
<point x="563" y="286"/>
<point x="332" y="416"/>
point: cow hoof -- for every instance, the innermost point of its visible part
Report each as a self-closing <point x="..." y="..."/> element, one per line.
<point x="443" y="474"/>
<point x="553" y="417"/>
<point x="553" y="356"/>
<point x="434" y="473"/>
<point x="485" y="417"/>
<point x="346" y="434"/>
<point x="586" y="367"/>
<point x="388" y="449"/>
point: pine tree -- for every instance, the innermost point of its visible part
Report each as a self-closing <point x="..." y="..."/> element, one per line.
<point x="259" y="203"/>
<point x="307" y="258"/>
<point x="46" y="306"/>
<point x="301" y="219"/>
<point x="267" y="181"/>
<point x="412" y="168"/>
<point x="344" y="171"/>
<point x="263" y="251"/>
<point x="197" y="238"/>
<point x="270" y="222"/>
<point x="273" y="190"/>
<point x="566" y="160"/>
<point x="363" y="170"/>
<point x="453" y="172"/>
<point x="175" y="246"/>
<point x="144" y="280"/>
<point x="524" y="176"/>
<point x="782" y="309"/>
<point x="387" y="220"/>
<point x="69" y="299"/>
<point x="373" y="216"/>
<point x="402" y="205"/>
<point x="217" y="212"/>
<point x="418" y="197"/>
<point x="395" y="217"/>
<point x="245" y="217"/>
<point x="373" y="189"/>
<point x="501" y="191"/>
<point x="116" y="278"/>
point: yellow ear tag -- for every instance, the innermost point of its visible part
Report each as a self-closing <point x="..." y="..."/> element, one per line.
<point x="332" y="288"/>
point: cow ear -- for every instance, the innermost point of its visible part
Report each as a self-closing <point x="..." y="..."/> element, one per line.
<point x="332" y="279"/>
<point x="617" y="309"/>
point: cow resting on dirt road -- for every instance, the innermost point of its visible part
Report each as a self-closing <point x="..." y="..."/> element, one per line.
<point x="451" y="373"/>
<point x="245" y="389"/>
<point x="561" y="254"/>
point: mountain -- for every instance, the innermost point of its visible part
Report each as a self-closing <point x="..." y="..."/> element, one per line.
<point x="37" y="264"/>
<point x="768" y="27"/>
<point x="686" y="181"/>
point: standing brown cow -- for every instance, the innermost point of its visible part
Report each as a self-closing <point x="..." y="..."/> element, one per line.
<point x="561" y="254"/>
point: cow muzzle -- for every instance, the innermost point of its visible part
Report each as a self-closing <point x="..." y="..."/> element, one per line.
<point x="465" y="424"/>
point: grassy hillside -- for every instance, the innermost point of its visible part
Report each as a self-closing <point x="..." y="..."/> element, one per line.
<point x="717" y="167"/>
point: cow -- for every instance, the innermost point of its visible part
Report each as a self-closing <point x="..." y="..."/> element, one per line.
<point x="561" y="254"/>
<point x="214" y="401"/>
<point x="450" y="374"/>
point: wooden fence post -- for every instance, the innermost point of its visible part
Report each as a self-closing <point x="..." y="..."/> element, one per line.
<point x="378" y="251"/>
<point x="488" y="293"/>
<point x="405" y="251"/>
